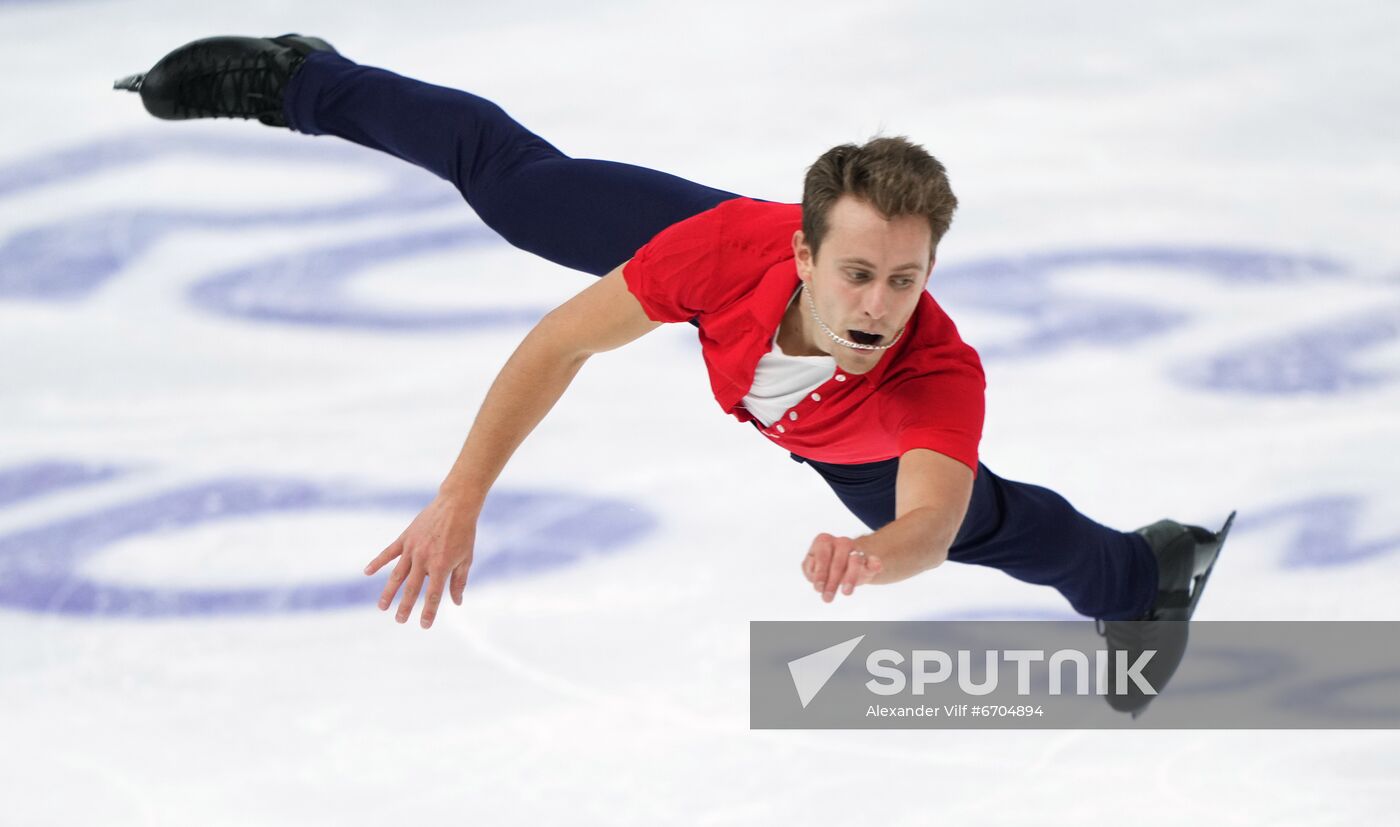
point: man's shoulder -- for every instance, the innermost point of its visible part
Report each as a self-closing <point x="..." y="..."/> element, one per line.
<point x="758" y="226"/>
<point x="713" y="259"/>
<point x="935" y="346"/>
<point x="756" y="209"/>
<point x="932" y="396"/>
<point x="762" y="229"/>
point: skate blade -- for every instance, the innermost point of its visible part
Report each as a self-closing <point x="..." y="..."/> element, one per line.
<point x="1206" y="566"/>
<point x="131" y="83"/>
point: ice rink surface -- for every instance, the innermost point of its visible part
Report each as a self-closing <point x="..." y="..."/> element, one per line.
<point x="235" y="362"/>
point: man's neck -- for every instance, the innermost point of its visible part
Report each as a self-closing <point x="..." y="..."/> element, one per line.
<point x="794" y="334"/>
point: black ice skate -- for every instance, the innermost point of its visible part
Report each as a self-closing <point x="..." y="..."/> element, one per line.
<point x="224" y="77"/>
<point x="1185" y="558"/>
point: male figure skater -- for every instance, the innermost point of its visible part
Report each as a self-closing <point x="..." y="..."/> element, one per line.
<point x="814" y="320"/>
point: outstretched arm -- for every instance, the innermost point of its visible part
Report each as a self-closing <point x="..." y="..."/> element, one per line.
<point x="931" y="496"/>
<point x="439" y="542"/>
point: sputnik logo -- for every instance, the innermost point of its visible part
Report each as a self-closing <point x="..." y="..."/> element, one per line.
<point x="811" y="672"/>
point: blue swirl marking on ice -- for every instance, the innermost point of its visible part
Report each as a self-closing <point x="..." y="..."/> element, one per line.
<point x="68" y="259"/>
<point x="1313" y="360"/>
<point x="307" y="287"/>
<point x="24" y="482"/>
<point x="1024" y="287"/>
<point x="1324" y="533"/>
<point x="535" y="532"/>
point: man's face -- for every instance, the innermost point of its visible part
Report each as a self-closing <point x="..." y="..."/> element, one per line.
<point x="865" y="280"/>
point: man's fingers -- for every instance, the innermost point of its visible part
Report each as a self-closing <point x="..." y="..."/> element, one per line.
<point x="459" y="582"/>
<point x="410" y="592"/>
<point x="436" y="581"/>
<point x="855" y="571"/>
<point x="831" y="567"/>
<point x="394" y="550"/>
<point x="395" y="578"/>
<point x="837" y="570"/>
<point x="820" y="555"/>
<point x="814" y="562"/>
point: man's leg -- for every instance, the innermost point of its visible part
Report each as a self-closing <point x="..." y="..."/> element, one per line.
<point x="1035" y="535"/>
<point x="1029" y="532"/>
<point x="584" y="214"/>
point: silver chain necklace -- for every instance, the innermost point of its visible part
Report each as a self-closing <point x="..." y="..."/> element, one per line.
<point x="837" y="339"/>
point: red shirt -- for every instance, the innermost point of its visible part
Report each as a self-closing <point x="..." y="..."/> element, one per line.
<point x="732" y="269"/>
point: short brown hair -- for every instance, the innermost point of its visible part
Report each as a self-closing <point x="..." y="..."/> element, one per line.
<point x="895" y="175"/>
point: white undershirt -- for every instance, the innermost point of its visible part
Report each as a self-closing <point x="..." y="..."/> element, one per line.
<point x="780" y="381"/>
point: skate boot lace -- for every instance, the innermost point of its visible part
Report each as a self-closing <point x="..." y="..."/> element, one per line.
<point x="238" y="87"/>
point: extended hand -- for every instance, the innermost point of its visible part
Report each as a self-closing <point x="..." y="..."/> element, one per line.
<point x="437" y="543"/>
<point x="835" y="563"/>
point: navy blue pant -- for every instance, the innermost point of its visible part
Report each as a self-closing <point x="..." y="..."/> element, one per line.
<point x="593" y="215"/>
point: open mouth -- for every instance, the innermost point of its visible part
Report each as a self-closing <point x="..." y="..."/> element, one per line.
<point x="861" y="337"/>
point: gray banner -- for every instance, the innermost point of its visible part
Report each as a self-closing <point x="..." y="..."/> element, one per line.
<point x="1059" y="674"/>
